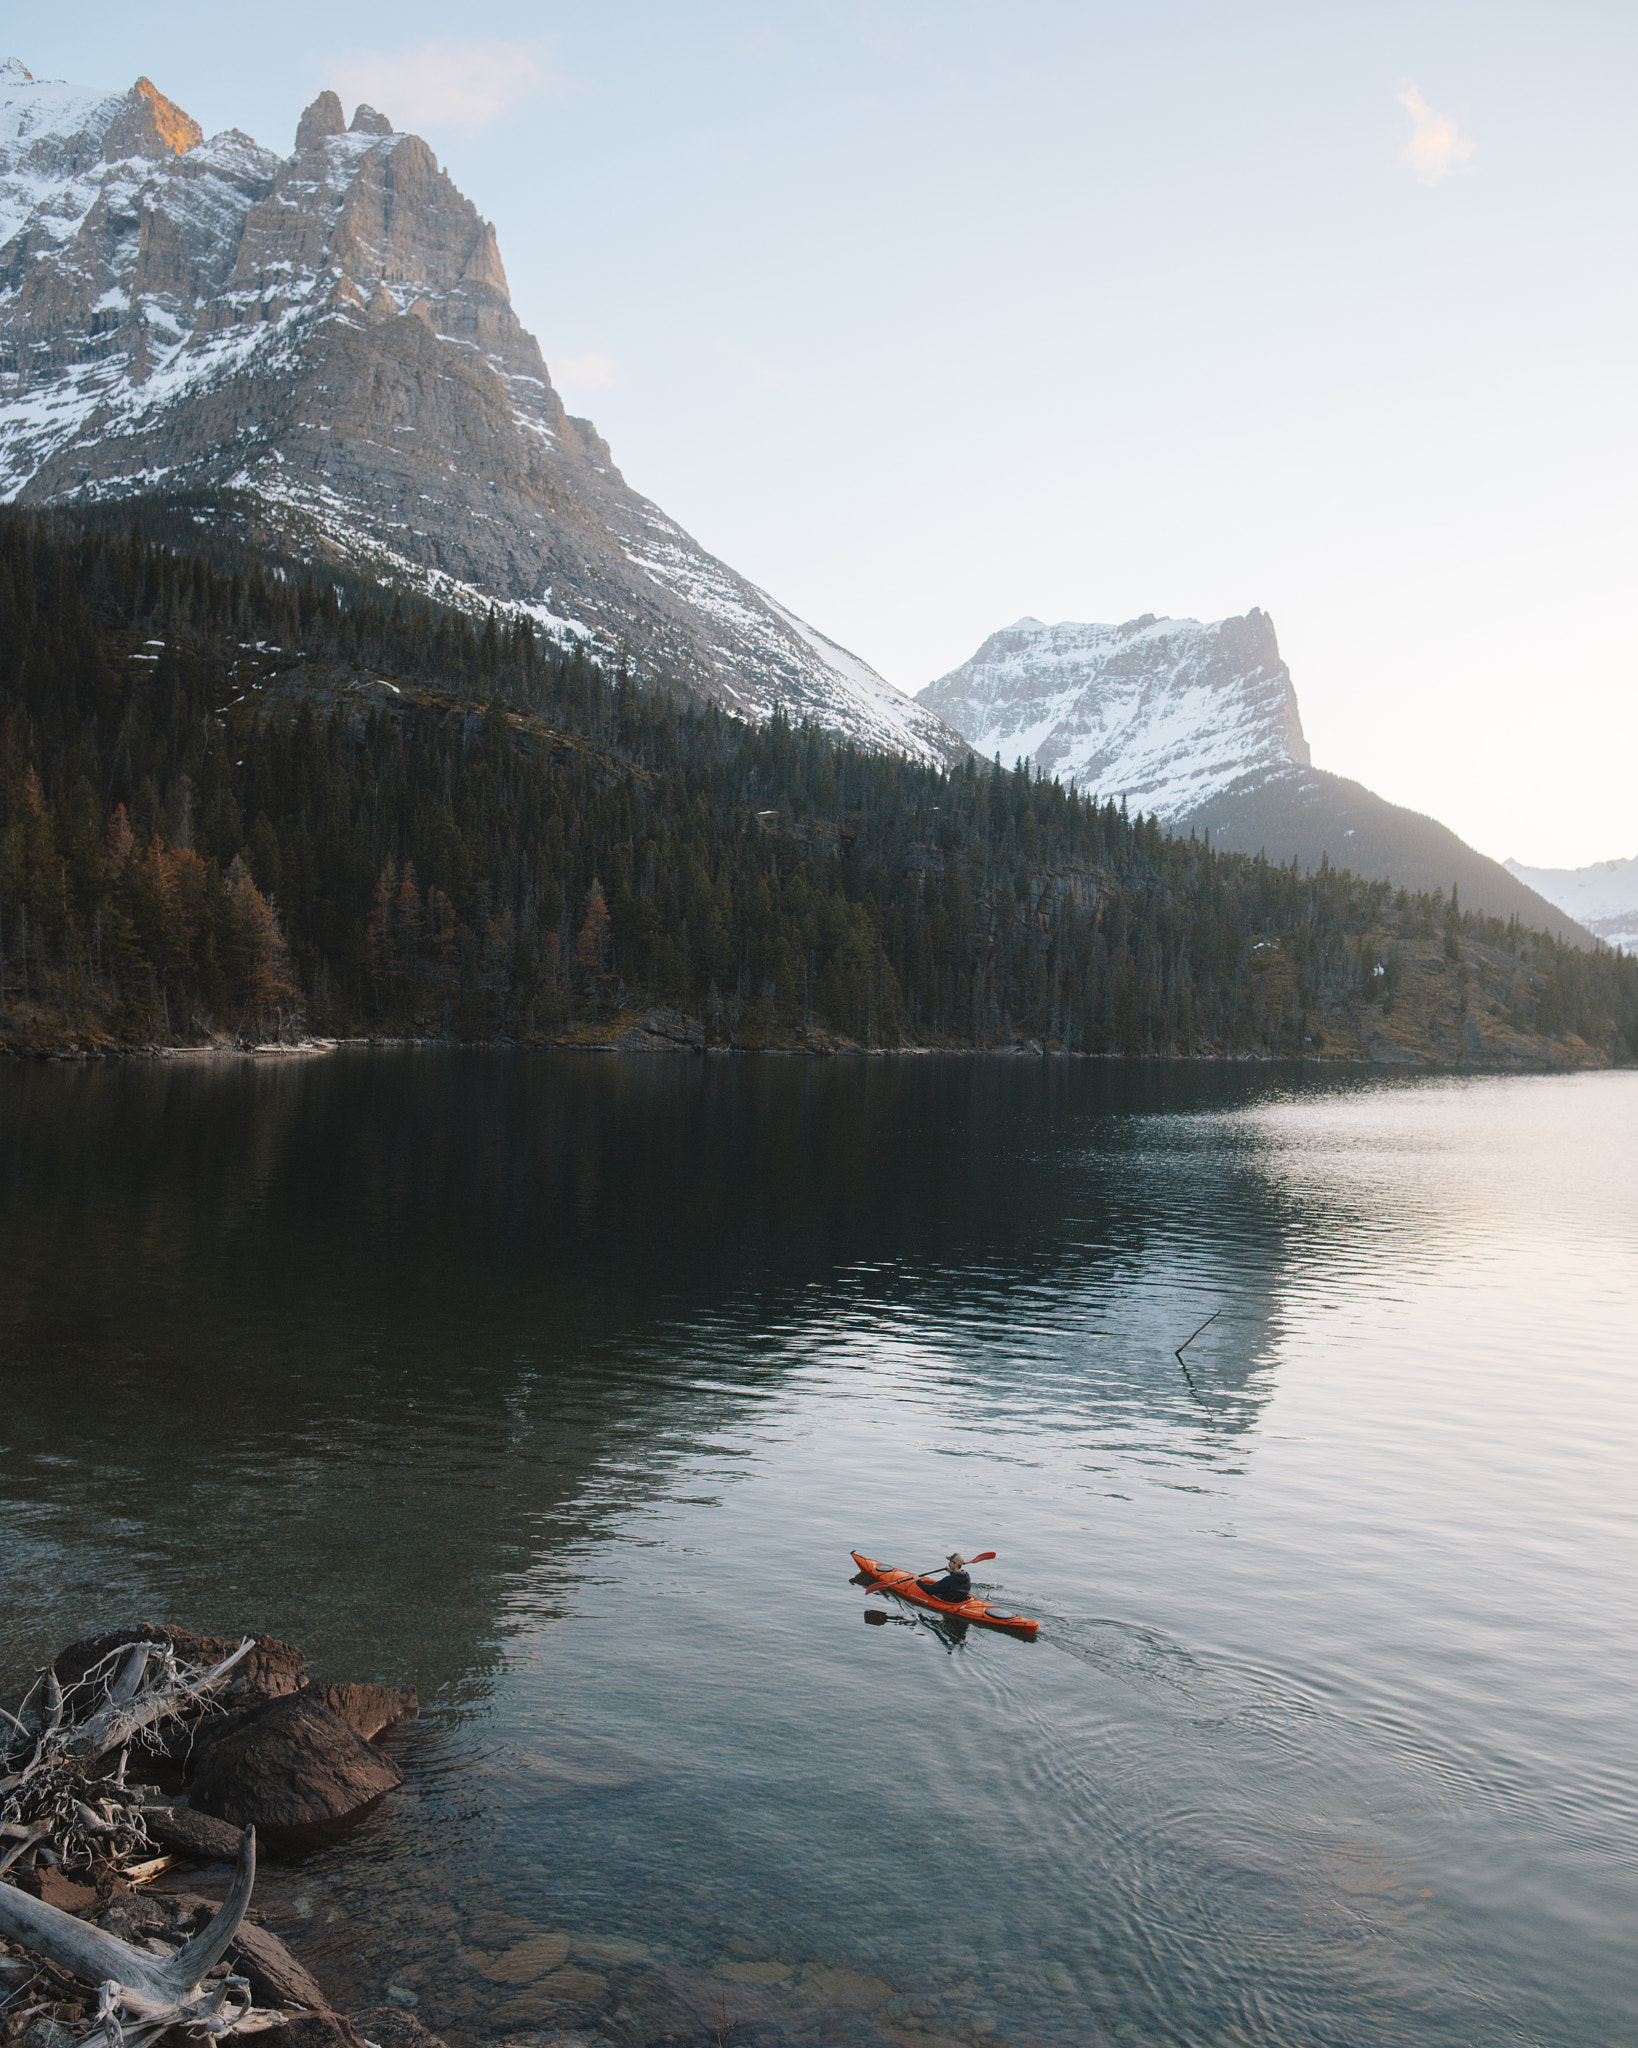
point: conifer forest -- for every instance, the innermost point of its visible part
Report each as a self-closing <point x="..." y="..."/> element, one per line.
<point x="238" y="802"/>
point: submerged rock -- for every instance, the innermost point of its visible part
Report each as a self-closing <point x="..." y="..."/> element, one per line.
<point x="528" y="1960"/>
<point x="390" y="2026"/>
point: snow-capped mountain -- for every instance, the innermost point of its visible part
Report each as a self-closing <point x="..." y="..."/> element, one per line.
<point x="1603" y="897"/>
<point x="1166" y="713"/>
<point x="1197" y="725"/>
<point x="320" y="349"/>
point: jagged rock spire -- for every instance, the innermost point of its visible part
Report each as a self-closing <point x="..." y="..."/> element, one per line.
<point x="324" y="117"/>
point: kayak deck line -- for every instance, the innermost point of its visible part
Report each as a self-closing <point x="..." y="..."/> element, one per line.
<point x="904" y="1586"/>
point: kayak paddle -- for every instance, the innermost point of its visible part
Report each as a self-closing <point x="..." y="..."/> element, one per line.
<point x="982" y="1558"/>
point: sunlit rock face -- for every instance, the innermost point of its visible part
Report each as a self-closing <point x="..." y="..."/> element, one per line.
<point x="323" y="345"/>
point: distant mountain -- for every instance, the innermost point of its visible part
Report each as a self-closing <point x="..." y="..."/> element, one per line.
<point x="1164" y="712"/>
<point x="1603" y="897"/>
<point x="1198" y="726"/>
<point x="318" y="352"/>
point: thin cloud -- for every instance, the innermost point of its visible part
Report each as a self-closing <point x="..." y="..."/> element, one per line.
<point x="446" y="84"/>
<point x="589" y="372"/>
<point x="1436" y="146"/>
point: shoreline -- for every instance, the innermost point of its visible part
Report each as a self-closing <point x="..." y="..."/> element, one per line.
<point x="1574" y="1058"/>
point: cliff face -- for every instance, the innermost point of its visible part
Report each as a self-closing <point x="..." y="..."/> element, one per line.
<point x="1198" y="725"/>
<point x="325" y="343"/>
<point x="1163" y="712"/>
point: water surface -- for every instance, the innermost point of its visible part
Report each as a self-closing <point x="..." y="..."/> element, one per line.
<point x="562" y="1385"/>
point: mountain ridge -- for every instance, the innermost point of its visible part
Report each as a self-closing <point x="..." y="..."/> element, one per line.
<point x="1603" y="896"/>
<point x="1198" y="724"/>
<point x="330" y="335"/>
<point x="233" y="803"/>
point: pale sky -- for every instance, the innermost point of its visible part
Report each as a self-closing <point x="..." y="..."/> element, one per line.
<point x="925" y="317"/>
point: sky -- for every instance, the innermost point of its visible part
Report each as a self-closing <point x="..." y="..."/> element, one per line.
<point x="929" y="316"/>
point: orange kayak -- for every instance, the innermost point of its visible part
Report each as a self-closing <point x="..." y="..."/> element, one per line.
<point x="903" y="1586"/>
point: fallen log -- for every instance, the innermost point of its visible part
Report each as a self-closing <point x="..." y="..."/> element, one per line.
<point x="273" y="1973"/>
<point x="139" y="1993"/>
<point x="199" y="1835"/>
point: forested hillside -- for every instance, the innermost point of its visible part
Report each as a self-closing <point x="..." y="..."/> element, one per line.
<point x="231" y="804"/>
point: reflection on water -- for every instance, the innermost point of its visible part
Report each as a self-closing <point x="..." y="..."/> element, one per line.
<point x="562" y="1386"/>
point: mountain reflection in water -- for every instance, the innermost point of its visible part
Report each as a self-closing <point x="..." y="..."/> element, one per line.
<point x="561" y="1385"/>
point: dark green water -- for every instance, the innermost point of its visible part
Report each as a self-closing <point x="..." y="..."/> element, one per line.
<point x="562" y="1386"/>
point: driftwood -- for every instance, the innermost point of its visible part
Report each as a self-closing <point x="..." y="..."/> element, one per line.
<point x="60" y="1802"/>
<point x="128" y="1711"/>
<point x="66" y="1806"/>
<point x="140" y="1994"/>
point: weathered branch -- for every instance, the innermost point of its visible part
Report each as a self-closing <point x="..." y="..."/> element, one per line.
<point x="149" y="1985"/>
<point x="113" y="1725"/>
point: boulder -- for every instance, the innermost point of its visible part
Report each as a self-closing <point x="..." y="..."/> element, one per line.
<point x="389" y="2026"/>
<point x="371" y="1709"/>
<point x="270" y="1671"/>
<point x="295" y="1768"/>
<point x="189" y="1833"/>
<point x="273" y="1973"/>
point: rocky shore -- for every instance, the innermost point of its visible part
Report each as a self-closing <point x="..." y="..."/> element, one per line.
<point x="126" y="1768"/>
<point x="325" y="1947"/>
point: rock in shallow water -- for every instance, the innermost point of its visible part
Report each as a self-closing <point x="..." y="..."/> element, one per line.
<point x="389" y="2026"/>
<point x="295" y="1768"/>
<point x="371" y="1709"/>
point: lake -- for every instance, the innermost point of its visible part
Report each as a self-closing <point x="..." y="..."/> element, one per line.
<point x="561" y="1385"/>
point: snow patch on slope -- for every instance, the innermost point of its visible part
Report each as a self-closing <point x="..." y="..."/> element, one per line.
<point x="886" y="717"/>
<point x="171" y="317"/>
<point x="1165" y="713"/>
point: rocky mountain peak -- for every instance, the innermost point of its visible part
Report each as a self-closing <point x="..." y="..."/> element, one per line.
<point x="324" y="117"/>
<point x="164" y="120"/>
<point x="324" y="345"/>
<point x="1163" y="712"/>
<point x="14" y="71"/>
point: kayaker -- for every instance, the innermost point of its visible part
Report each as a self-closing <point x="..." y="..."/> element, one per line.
<point x="955" y="1585"/>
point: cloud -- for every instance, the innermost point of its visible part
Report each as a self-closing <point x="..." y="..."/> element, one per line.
<point x="446" y="84"/>
<point x="1436" y="146"/>
<point x="590" y="372"/>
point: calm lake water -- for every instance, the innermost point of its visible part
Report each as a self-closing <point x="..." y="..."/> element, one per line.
<point x="562" y="1385"/>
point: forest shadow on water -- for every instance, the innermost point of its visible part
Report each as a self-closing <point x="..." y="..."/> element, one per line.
<point x="560" y="1385"/>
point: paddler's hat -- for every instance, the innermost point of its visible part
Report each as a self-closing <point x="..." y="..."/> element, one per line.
<point x="956" y="1561"/>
